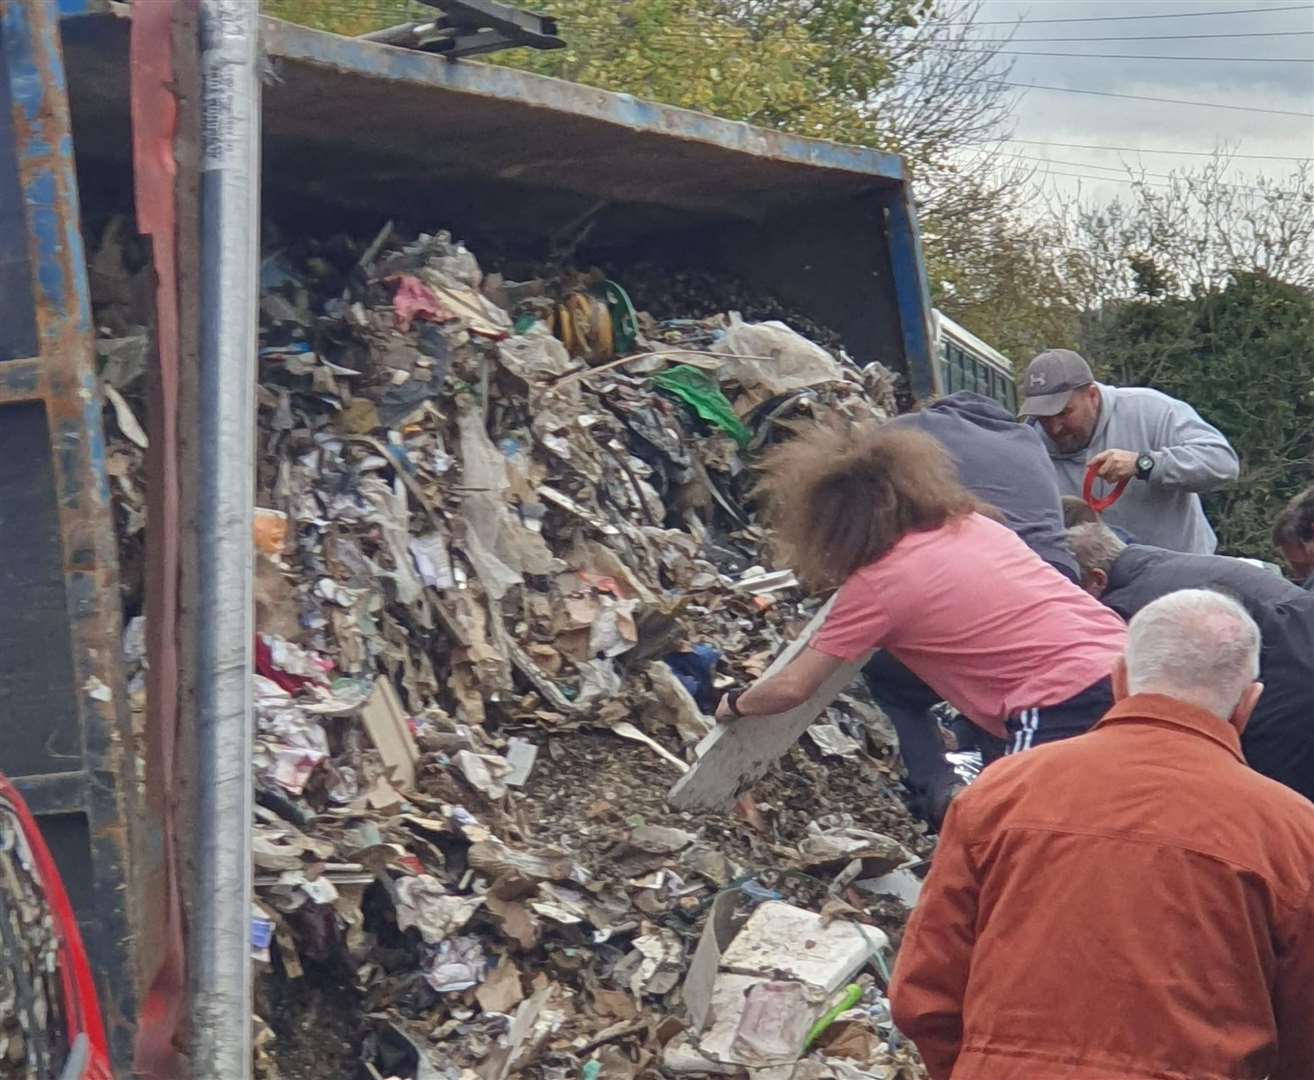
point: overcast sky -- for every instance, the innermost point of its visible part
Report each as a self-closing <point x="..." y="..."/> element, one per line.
<point x="1075" y="118"/>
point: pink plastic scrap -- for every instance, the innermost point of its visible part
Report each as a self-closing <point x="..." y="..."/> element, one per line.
<point x="415" y="300"/>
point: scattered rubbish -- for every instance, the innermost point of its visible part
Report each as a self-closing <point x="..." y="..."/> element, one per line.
<point x="830" y="850"/>
<point x="520" y="756"/>
<point x="270" y="531"/>
<point x="831" y="742"/>
<point x="628" y="731"/>
<point x="128" y="423"/>
<point x="505" y="568"/>
<point x="902" y="884"/>
<point x="851" y="995"/>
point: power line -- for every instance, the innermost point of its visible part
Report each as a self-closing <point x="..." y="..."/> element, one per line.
<point x="1147" y="150"/>
<point x="1135" y="97"/>
<point x="1130" y="18"/>
<point x="1249" y="188"/>
<point x="1108" y="179"/>
<point x="1142" y="97"/>
<point x="1139" y="56"/>
<point x="1084" y="165"/>
<point x="1141" y="37"/>
<point x="730" y="32"/>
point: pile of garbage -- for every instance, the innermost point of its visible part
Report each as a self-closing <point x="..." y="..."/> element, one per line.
<point x="33" y="1033"/>
<point x="505" y="564"/>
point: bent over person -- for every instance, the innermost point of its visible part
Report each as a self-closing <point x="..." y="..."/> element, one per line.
<point x="1004" y="464"/>
<point x="1293" y="533"/>
<point x="923" y="573"/>
<point x="1130" y="905"/>
<point x="1279" y="740"/>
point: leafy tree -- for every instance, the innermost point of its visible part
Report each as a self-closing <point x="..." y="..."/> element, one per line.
<point x="1194" y="231"/>
<point x="1243" y="355"/>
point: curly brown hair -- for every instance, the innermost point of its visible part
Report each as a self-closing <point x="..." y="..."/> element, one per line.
<point x="840" y="496"/>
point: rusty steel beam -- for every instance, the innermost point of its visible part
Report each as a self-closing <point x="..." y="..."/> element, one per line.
<point x="90" y="822"/>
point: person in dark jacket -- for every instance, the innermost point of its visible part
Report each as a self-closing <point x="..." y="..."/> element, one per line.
<point x="1002" y="463"/>
<point x="1293" y="532"/>
<point x="1279" y="740"/>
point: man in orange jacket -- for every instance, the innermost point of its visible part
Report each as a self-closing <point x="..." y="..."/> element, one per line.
<point x="1130" y="904"/>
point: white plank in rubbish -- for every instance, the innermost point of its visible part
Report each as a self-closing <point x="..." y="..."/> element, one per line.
<point x="781" y="941"/>
<point x="735" y="756"/>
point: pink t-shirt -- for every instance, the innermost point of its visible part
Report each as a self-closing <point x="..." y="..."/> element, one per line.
<point x="978" y="616"/>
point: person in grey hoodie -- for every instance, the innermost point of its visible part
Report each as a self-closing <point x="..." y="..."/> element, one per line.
<point x="1160" y="445"/>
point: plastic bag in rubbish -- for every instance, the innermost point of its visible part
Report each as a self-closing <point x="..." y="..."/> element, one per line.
<point x="793" y="361"/>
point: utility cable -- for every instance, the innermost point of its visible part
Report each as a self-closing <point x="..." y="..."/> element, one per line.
<point x="1144" y="97"/>
<point x="1130" y="18"/>
<point x="1136" y="56"/>
<point x="1149" y="150"/>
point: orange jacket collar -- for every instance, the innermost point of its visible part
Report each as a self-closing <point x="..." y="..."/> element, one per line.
<point x="1160" y="709"/>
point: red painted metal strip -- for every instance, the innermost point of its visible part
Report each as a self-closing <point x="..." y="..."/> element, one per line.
<point x="154" y="120"/>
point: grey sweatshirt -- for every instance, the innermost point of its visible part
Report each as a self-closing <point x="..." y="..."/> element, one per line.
<point x="1190" y="456"/>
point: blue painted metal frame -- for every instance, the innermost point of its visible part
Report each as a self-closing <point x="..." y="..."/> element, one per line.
<point x="86" y="800"/>
<point x="373" y="60"/>
<point x="913" y="290"/>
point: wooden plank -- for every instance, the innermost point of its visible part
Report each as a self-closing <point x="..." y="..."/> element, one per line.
<point x="733" y="757"/>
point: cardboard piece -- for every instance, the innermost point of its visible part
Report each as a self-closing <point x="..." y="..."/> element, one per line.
<point x="718" y="932"/>
<point x="520" y="755"/>
<point x="500" y="992"/>
<point x="385" y="721"/>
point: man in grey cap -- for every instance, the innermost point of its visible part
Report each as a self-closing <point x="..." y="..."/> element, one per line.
<point x="1160" y="445"/>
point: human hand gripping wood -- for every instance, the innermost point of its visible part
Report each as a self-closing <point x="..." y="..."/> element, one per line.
<point x="736" y="754"/>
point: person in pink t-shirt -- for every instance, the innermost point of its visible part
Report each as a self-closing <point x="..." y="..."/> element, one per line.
<point x="926" y="572"/>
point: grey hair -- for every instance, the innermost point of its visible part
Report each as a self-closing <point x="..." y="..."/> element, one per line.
<point x="1096" y="546"/>
<point x="1197" y="646"/>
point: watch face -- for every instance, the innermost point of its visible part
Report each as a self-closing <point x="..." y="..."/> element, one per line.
<point x="1144" y="464"/>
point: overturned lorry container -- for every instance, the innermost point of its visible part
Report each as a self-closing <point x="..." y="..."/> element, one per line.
<point x="354" y="134"/>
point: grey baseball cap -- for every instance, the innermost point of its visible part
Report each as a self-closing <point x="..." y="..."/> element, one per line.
<point x="1050" y="380"/>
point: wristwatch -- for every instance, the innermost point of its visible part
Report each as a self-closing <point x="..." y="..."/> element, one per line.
<point x="732" y="702"/>
<point x="1144" y="465"/>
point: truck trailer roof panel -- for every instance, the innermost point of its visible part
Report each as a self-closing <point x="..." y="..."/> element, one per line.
<point x="352" y="123"/>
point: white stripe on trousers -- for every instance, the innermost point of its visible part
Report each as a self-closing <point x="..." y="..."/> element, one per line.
<point x="1028" y="722"/>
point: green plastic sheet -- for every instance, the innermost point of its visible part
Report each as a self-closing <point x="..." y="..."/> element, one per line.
<point x="701" y="393"/>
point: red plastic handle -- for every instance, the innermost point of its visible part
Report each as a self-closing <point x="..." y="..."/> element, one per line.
<point x="1104" y="502"/>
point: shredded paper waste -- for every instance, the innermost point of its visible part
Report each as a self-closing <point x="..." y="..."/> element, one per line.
<point x="506" y="562"/>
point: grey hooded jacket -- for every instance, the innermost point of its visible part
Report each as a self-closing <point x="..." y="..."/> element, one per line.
<point x="1190" y="456"/>
<point x="1002" y="463"/>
